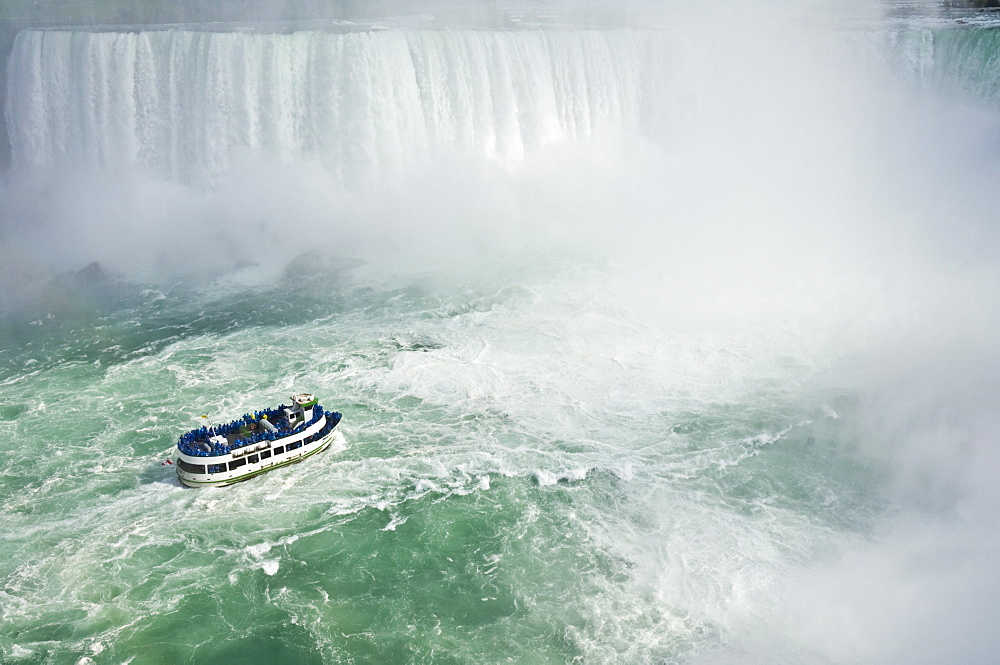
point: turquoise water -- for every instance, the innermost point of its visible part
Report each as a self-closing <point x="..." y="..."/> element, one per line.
<point x="492" y="498"/>
<point x="648" y="350"/>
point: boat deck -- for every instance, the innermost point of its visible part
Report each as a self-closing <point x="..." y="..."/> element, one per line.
<point x="217" y="440"/>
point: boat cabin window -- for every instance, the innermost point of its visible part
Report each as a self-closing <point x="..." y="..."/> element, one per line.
<point x="279" y="449"/>
<point x="190" y="468"/>
<point x="253" y="459"/>
<point x="237" y="463"/>
<point x="265" y="454"/>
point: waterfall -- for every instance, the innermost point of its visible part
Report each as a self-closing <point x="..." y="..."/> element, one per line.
<point x="185" y="103"/>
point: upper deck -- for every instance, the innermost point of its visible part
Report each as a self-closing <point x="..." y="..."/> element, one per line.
<point x="249" y="430"/>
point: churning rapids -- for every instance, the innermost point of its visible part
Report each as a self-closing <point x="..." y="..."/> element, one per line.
<point x="661" y="345"/>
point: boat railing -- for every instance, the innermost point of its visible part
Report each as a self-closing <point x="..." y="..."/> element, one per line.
<point x="196" y="443"/>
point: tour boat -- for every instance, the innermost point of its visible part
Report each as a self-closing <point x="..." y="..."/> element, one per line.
<point x="218" y="455"/>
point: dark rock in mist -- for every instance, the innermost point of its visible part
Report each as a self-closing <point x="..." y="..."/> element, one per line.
<point x="316" y="262"/>
<point x="90" y="291"/>
<point x="243" y="264"/>
<point x="92" y="275"/>
<point x="81" y="295"/>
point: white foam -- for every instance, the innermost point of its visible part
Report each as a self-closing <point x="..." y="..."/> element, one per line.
<point x="423" y="486"/>
<point x="18" y="652"/>
<point x="259" y="550"/>
<point x="396" y="521"/>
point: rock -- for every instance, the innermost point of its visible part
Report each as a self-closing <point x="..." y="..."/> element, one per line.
<point x="316" y="262"/>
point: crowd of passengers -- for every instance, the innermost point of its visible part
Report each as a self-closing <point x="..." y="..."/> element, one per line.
<point x="196" y="442"/>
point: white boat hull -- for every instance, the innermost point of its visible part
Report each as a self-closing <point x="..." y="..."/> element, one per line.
<point x="219" y="471"/>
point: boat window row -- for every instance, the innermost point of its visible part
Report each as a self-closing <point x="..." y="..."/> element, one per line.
<point x="237" y="463"/>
